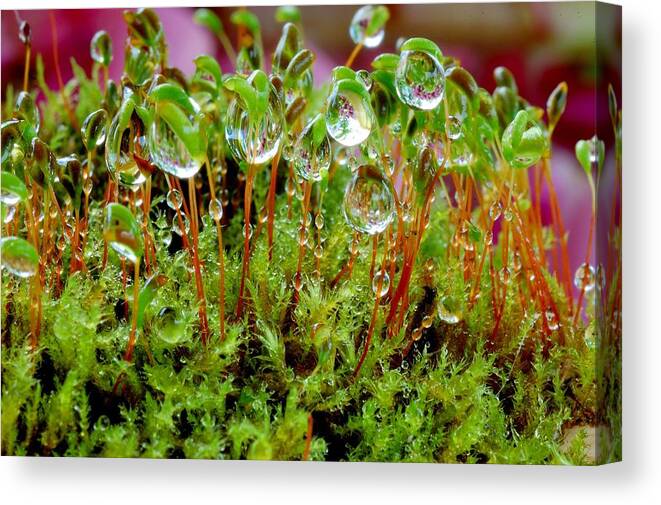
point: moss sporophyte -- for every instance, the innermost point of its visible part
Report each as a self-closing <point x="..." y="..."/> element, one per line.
<point x="249" y="265"/>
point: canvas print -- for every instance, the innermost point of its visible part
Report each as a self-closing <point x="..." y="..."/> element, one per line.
<point x="382" y="233"/>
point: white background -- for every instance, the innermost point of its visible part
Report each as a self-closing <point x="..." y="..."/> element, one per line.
<point x="636" y="480"/>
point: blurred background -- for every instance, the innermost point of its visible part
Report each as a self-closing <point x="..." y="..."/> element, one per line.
<point x="542" y="43"/>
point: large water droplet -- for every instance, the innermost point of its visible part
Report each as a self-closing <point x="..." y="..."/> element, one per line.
<point x="349" y="116"/>
<point x="19" y="256"/>
<point x="584" y="278"/>
<point x="216" y="209"/>
<point x="169" y="326"/>
<point x="381" y="280"/>
<point x="358" y="27"/>
<point x="420" y="80"/>
<point x="169" y="152"/>
<point x="449" y="310"/>
<point x="254" y="140"/>
<point x="175" y="199"/>
<point x="312" y="152"/>
<point x="121" y="231"/>
<point x="369" y="204"/>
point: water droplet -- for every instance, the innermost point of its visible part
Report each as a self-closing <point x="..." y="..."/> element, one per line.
<point x="504" y="275"/>
<point x="551" y="320"/>
<point x="416" y="335"/>
<point x="168" y="151"/>
<point x="427" y="321"/>
<point x="255" y="140"/>
<point x="420" y="80"/>
<point x="9" y="213"/>
<point x="26" y="109"/>
<point x="101" y="48"/>
<point x="516" y="262"/>
<point x="312" y="152"/>
<point x="349" y="116"/>
<point x="19" y="256"/>
<point x="364" y="77"/>
<point x="358" y="27"/>
<point x="449" y="310"/>
<point x="508" y="214"/>
<point x="454" y="127"/>
<point x="169" y="327"/>
<point x="302" y="236"/>
<point x="298" y="281"/>
<point x="319" y="221"/>
<point x="243" y="231"/>
<point x="584" y="278"/>
<point x="121" y="143"/>
<point x="165" y="237"/>
<point x="87" y="186"/>
<point x="341" y="157"/>
<point x="93" y="131"/>
<point x="383" y="279"/>
<point x="216" y="209"/>
<point x="369" y="204"/>
<point x="121" y="231"/>
<point x="175" y="199"/>
<point x="318" y="251"/>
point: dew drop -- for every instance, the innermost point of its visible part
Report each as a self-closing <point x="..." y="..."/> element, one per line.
<point x="359" y="24"/>
<point x="175" y="199"/>
<point x="364" y="77"/>
<point x="584" y="278"/>
<point x="427" y="321"/>
<point x="349" y="116"/>
<point x="416" y="335"/>
<point x="255" y="140"/>
<point x="101" y="48"/>
<point x="19" y="257"/>
<point x="169" y="152"/>
<point x="216" y="209"/>
<point x="312" y="151"/>
<point x="9" y="213"/>
<point x="449" y="310"/>
<point x="369" y="205"/>
<point x="383" y="279"/>
<point x="93" y="131"/>
<point x="319" y="221"/>
<point x="169" y="326"/>
<point x="551" y="320"/>
<point x="454" y="127"/>
<point x="26" y="109"/>
<point x="420" y="80"/>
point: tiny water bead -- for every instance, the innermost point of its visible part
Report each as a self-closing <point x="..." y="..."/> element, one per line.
<point x="19" y="257"/>
<point x="216" y="209"/>
<point x="449" y="310"/>
<point x="122" y="232"/>
<point x="364" y="77"/>
<point x="369" y="203"/>
<point x="420" y="80"/>
<point x="454" y="126"/>
<point x="312" y="152"/>
<point x="551" y="320"/>
<point x="381" y="279"/>
<point x="8" y="213"/>
<point x="359" y="29"/>
<point x="585" y="277"/>
<point x="26" y="109"/>
<point x="349" y="116"/>
<point x="255" y="140"/>
<point x="175" y="199"/>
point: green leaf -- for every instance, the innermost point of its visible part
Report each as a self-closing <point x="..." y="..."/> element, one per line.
<point x="591" y="152"/>
<point x="288" y="14"/>
<point x="504" y="77"/>
<point x="172" y="93"/>
<point x="612" y="104"/>
<point x="342" y="72"/>
<point x="523" y="146"/>
<point x="246" y="18"/>
<point x="19" y="256"/>
<point x="464" y="81"/>
<point x="246" y="92"/>
<point x="259" y="80"/>
<point x="556" y="103"/>
<point x="319" y="129"/>
<point x="12" y="184"/>
<point x="386" y="61"/>
<point x="208" y="64"/>
<point x="208" y="19"/>
<point x="147" y="294"/>
<point x="301" y="62"/>
<point x="422" y="44"/>
<point x="189" y="134"/>
<point x="121" y="227"/>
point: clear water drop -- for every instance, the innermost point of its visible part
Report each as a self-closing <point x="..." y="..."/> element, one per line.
<point x="121" y="142"/>
<point x="369" y="204"/>
<point x="319" y="221"/>
<point x="216" y="209"/>
<point x="349" y="116"/>
<point x="364" y="77"/>
<point x="312" y="152"/>
<point x="381" y="279"/>
<point x="9" y="213"/>
<point x="175" y="199"/>
<point x="420" y="80"/>
<point x="168" y="151"/>
<point x="169" y="327"/>
<point x="358" y="27"/>
<point x="255" y="140"/>
<point x="585" y="277"/>
<point x="495" y="210"/>
<point x="19" y="257"/>
<point x="93" y="131"/>
<point x="27" y="109"/>
<point x="101" y="48"/>
<point x="454" y="127"/>
<point x="449" y="310"/>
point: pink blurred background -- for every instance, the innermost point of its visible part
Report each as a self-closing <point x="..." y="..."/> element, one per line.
<point x="542" y="43"/>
